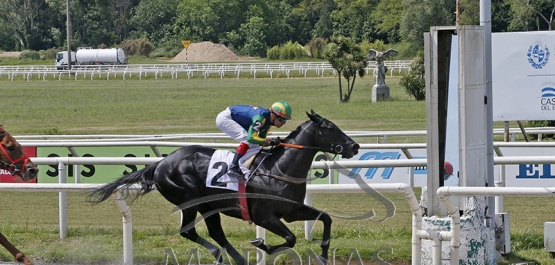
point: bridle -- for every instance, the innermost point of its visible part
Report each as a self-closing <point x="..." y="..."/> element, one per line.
<point x="334" y="148"/>
<point x="10" y="167"/>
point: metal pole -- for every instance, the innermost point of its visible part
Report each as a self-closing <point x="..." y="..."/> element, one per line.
<point x="127" y="221"/>
<point x="62" y="174"/>
<point x="485" y="21"/>
<point x="68" y="33"/>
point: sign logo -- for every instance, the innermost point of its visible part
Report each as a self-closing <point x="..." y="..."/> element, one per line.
<point x="534" y="171"/>
<point x="371" y="172"/>
<point x="538" y="56"/>
<point x="547" y="100"/>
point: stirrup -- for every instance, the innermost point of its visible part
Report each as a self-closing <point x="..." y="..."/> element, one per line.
<point x="236" y="174"/>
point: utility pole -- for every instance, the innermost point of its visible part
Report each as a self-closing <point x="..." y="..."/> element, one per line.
<point x="68" y="33"/>
<point x="457" y="13"/>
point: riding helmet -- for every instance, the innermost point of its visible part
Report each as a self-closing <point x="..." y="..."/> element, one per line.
<point x="282" y="108"/>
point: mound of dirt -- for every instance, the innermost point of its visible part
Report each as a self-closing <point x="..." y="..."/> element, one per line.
<point x="10" y="54"/>
<point x="206" y="52"/>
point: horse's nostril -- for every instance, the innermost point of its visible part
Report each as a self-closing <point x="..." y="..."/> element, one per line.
<point x="33" y="170"/>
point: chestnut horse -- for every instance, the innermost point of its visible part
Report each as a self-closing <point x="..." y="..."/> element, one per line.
<point x="275" y="190"/>
<point x="14" y="161"/>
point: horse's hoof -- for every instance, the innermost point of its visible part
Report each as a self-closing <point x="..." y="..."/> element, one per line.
<point x="323" y="261"/>
<point x="21" y="258"/>
<point x="256" y="242"/>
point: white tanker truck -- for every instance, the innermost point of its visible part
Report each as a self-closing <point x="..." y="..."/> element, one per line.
<point x="89" y="56"/>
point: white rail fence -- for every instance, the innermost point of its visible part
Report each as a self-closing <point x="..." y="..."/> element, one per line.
<point x="418" y="233"/>
<point x="381" y="136"/>
<point x="64" y="187"/>
<point x="175" y="71"/>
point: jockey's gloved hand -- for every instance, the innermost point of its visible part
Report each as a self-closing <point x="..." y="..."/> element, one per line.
<point x="274" y="142"/>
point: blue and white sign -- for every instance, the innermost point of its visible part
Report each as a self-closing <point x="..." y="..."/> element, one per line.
<point x="523" y="76"/>
<point x="528" y="175"/>
<point x="390" y="174"/>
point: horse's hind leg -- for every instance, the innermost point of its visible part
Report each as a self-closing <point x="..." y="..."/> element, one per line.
<point x="20" y="257"/>
<point x="214" y="225"/>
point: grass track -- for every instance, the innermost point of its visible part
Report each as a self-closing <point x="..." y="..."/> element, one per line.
<point x="162" y="106"/>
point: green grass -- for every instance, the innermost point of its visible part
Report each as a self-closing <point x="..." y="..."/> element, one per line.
<point x="191" y="105"/>
<point x="163" y="106"/>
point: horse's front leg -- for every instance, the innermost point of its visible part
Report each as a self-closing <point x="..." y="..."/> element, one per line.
<point x="20" y="257"/>
<point x="214" y="225"/>
<point x="307" y="213"/>
<point x="274" y="225"/>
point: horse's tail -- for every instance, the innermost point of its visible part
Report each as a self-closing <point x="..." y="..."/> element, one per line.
<point x="144" y="177"/>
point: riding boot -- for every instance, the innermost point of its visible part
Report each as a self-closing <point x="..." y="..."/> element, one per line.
<point x="235" y="169"/>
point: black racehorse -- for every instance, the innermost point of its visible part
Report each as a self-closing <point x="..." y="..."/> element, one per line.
<point x="275" y="190"/>
<point x="14" y="161"/>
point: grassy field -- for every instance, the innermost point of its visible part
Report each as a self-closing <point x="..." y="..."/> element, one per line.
<point x="163" y="106"/>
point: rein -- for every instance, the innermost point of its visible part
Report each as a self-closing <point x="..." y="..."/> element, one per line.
<point x="284" y="178"/>
<point x="10" y="167"/>
<point x="337" y="148"/>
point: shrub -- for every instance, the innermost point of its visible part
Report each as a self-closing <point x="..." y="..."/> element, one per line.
<point x="158" y="53"/>
<point x="377" y="45"/>
<point x="166" y="51"/>
<point x="549" y="123"/>
<point x="142" y="47"/>
<point x="50" y="54"/>
<point x="291" y="51"/>
<point x="414" y="82"/>
<point x="317" y="47"/>
<point x="288" y="51"/>
<point x="273" y="53"/>
<point x="29" y="55"/>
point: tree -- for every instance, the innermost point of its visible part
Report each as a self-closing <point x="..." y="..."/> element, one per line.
<point x="532" y="15"/>
<point x="470" y="14"/>
<point x="352" y="18"/>
<point x="348" y="60"/>
<point x="254" y="37"/>
<point x="201" y="20"/>
<point x="414" y="82"/>
<point x="312" y="18"/>
<point x="420" y="15"/>
<point x="388" y="15"/>
<point x="154" y="19"/>
<point x="19" y="19"/>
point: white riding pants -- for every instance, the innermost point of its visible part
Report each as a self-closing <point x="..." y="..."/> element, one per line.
<point x="230" y="127"/>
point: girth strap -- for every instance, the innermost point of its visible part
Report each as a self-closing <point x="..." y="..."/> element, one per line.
<point x="243" y="201"/>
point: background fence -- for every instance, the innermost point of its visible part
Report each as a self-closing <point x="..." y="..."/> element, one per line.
<point x="221" y="70"/>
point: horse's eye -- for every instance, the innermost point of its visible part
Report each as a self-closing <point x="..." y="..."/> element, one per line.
<point x="11" y="148"/>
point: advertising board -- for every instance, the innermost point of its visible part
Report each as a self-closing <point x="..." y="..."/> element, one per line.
<point x="523" y="74"/>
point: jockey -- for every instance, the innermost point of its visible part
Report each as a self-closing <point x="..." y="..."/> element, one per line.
<point x="249" y="125"/>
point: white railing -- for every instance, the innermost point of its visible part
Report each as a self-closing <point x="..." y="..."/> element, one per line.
<point x="418" y="234"/>
<point x="382" y="136"/>
<point x="311" y="189"/>
<point x="177" y="70"/>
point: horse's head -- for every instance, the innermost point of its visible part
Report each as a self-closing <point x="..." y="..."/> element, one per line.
<point x="13" y="159"/>
<point x="330" y="136"/>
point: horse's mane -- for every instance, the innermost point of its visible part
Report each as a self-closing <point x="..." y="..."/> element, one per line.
<point x="296" y="132"/>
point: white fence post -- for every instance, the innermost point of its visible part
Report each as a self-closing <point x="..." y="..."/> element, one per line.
<point x="62" y="177"/>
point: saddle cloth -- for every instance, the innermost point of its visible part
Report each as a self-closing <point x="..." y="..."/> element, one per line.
<point x="217" y="171"/>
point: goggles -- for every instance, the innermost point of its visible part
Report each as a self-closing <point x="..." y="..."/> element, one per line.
<point x="281" y="119"/>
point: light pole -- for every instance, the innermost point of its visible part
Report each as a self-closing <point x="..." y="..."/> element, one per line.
<point x="68" y="33"/>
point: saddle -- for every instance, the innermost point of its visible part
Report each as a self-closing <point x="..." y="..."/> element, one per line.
<point x="249" y="162"/>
